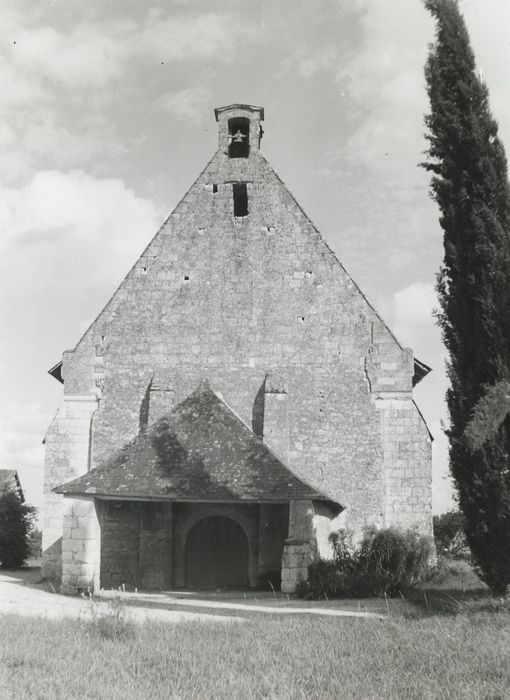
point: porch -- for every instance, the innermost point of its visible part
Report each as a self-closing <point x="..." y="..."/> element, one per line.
<point x="157" y="545"/>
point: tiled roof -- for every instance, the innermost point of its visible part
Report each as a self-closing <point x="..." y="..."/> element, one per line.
<point x="201" y="451"/>
<point x="9" y="478"/>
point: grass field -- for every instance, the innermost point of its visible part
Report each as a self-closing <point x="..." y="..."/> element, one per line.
<point x="429" y="648"/>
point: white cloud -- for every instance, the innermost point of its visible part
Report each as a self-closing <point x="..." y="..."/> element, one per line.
<point x="413" y="311"/>
<point x="49" y="139"/>
<point x="95" y="54"/>
<point x="380" y="79"/>
<point x="90" y="54"/>
<point x="188" y="104"/>
<point x="85" y="207"/>
<point x="310" y="62"/>
<point x="174" y="38"/>
<point x="22" y="429"/>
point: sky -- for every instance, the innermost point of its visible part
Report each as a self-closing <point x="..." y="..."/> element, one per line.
<point x="106" y="119"/>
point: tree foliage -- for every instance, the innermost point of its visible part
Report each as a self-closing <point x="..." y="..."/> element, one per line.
<point x="449" y="534"/>
<point x="16" y="520"/>
<point x="470" y="185"/>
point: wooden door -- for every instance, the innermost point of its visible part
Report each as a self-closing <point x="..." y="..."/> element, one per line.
<point x="216" y="555"/>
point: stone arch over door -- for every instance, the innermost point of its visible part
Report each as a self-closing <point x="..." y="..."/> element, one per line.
<point x="217" y="554"/>
<point x="186" y="517"/>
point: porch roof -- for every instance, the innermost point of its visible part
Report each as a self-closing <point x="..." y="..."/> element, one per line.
<point x="200" y="451"/>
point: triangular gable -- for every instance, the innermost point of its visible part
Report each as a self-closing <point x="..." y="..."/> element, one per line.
<point x="201" y="451"/>
<point x="159" y="253"/>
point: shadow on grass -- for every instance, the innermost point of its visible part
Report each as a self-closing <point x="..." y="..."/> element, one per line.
<point x="28" y="576"/>
<point x="454" y="589"/>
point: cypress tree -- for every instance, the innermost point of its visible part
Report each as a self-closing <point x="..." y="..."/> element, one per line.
<point x="470" y="185"/>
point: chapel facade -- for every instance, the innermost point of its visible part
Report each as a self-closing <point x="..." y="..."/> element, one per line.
<point x="235" y="401"/>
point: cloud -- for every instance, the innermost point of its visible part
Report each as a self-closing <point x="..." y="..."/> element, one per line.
<point x="95" y="54"/>
<point x="22" y="428"/>
<point x="413" y="311"/>
<point x="85" y="208"/>
<point x="310" y="62"/>
<point x="191" y="36"/>
<point x="380" y="81"/>
<point x="188" y="104"/>
<point x="89" y="54"/>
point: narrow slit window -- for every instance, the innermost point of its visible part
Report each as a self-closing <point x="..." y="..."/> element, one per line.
<point x="215" y="189"/>
<point x="240" y="199"/>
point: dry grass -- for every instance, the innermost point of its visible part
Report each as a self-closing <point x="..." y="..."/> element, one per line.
<point x="462" y="656"/>
<point x="449" y="640"/>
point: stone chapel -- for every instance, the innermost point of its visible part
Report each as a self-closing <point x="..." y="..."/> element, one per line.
<point x="235" y="401"/>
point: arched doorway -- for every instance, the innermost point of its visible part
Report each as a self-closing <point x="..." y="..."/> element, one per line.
<point x="216" y="554"/>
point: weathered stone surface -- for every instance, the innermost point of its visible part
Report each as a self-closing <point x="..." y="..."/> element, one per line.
<point x="260" y="306"/>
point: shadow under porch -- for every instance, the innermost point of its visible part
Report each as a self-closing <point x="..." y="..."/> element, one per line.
<point x="163" y="545"/>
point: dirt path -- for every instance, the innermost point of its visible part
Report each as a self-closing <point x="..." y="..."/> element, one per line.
<point x="23" y="593"/>
<point x="20" y="594"/>
<point x="175" y="600"/>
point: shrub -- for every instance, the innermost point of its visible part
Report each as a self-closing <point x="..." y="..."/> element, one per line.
<point x="383" y="563"/>
<point x="324" y="581"/>
<point x="113" y="622"/>
<point x="16" y="520"/>
<point x="391" y="559"/>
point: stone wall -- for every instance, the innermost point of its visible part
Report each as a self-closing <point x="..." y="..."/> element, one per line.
<point x="120" y="544"/>
<point x="143" y="545"/>
<point x="237" y="300"/>
<point x="407" y="459"/>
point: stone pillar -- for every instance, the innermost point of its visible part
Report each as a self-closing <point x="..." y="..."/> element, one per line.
<point x="298" y="546"/>
<point x="81" y="546"/>
<point x="67" y="452"/>
<point x="276" y="421"/>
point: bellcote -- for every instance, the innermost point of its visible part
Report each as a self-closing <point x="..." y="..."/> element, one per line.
<point x="239" y="129"/>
